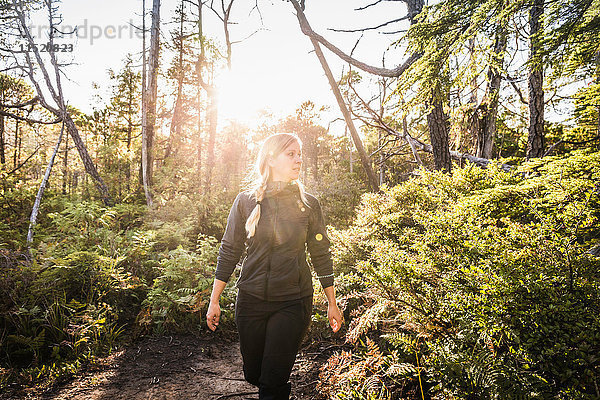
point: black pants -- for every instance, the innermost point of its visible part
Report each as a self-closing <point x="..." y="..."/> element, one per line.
<point x="270" y="336"/>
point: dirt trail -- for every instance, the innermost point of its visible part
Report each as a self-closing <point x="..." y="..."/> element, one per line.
<point x="177" y="367"/>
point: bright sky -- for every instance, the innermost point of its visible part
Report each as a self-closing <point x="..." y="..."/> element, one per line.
<point x="274" y="69"/>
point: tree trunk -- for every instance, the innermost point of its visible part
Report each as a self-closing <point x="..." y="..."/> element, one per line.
<point x="2" y="130"/>
<point x="151" y="92"/>
<point x="200" y="142"/>
<point x="199" y="97"/>
<point x="364" y="158"/>
<point x="438" y="134"/>
<point x="152" y="86"/>
<point x="66" y="166"/>
<point x="17" y="145"/>
<point x="212" y="110"/>
<point x="536" y="140"/>
<point x="474" y="122"/>
<point x="40" y="193"/>
<point x="87" y="160"/>
<point x="598" y="106"/>
<point x="350" y="160"/>
<point x="129" y="134"/>
<point x="2" y="155"/>
<point x="487" y="131"/>
<point x="176" y="121"/>
<point x="211" y="116"/>
<point x="144" y="156"/>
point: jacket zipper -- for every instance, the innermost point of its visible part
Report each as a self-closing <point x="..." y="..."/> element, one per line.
<point x="271" y="252"/>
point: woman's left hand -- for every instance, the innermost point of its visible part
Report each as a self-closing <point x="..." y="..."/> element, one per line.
<point x="335" y="316"/>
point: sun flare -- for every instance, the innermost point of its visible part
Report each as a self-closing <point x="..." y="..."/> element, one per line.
<point x="241" y="97"/>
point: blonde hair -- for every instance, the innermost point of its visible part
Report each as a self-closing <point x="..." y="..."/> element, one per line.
<point x="261" y="173"/>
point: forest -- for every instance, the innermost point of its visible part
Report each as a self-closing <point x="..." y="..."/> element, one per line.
<point x="461" y="189"/>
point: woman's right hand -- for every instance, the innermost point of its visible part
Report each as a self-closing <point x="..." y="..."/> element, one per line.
<point x="213" y="315"/>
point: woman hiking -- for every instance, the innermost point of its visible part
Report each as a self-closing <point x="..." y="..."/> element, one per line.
<point x="274" y="221"/>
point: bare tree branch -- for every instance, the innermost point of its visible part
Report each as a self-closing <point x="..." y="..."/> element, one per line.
<point x="416" y="144"/>
<point x="24" y="162"/>
<point x="517" y="89"/>
<point x="30" y="120"/>
<point x="371" y="28"/>
<point x="40" y="193"/>
<point x="21" y="105"/>
<point x="369" y="5"/>
<point x="551" y="148"/>
<point x="307" y="30"/>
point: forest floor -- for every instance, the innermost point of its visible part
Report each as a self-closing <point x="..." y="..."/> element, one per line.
<point x="179" y="367"/>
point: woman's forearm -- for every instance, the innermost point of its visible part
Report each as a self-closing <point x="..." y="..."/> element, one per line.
<point x="330" y="294"/>
<point x="213" y="314"/>
<point x="217" y="290"/>
<point x="333" y="312"/>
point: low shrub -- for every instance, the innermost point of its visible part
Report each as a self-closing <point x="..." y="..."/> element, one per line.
<point x="489" y="272"/>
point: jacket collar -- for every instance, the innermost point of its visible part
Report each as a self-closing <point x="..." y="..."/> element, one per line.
<point x="275" y="188"/>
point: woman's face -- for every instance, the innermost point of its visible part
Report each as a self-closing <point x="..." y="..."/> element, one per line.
<point x="286" y="166"/>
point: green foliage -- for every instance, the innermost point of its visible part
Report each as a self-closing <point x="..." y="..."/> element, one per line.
<point x="93" y="270"/>
<point x="339" y="193"/>
<point x="88" y="226"/>
<point x="62" y="313"/>
<point x="181" y="289"/>
<point x="489" y="271"/>
<point x="587" y="112"/>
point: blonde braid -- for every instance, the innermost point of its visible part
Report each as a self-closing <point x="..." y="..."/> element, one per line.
<point x="252" y="220"/>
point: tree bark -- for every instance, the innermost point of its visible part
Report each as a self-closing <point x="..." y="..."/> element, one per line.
<point x="200" y="141"/>
<point x="212" y="111"/>
<point x="487" y="131"/>
<point x="143" y="174"/>
<point x="364" y="158"/>
<point x="86" y="159"/>
<point x="2" y="128"/>
<point x="199" y="97"/>
<point x="40" y="193"/>
<point x="176" y="120"/>
<point x="66" y="166"/>
<point x="212" y="114"/>
<point x="153" y="59"/>
<point x="535" y="139"/>
<point x="598" y="106"/>
<point x="438" y="123"/>
<point x="150" y="113"/>
<point x="130" y="100"/>
<point x="17" y="146"/>
<point x="2" y="152"/>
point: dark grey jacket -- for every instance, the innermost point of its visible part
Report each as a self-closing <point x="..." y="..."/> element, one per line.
<point x="275" y="267"/>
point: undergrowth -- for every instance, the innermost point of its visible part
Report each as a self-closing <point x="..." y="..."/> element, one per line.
<point x="475" y="285"/>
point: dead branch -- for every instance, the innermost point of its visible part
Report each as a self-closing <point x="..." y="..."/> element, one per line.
<point x="29" y="120"/>
<point x="369" y="5"/>
<point x="551" y="148"/>
<point x="372" y="180"/>
<point x="416" y="144"/>
<point x="517" y="89"/>
<point x="308" y="31"/>
<point x="21" y="105"/>
<point x="55" y="90"/>
<point x="40" y="193"/>
<point x="371" y="28"/>
<point x="24" y="162"/>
